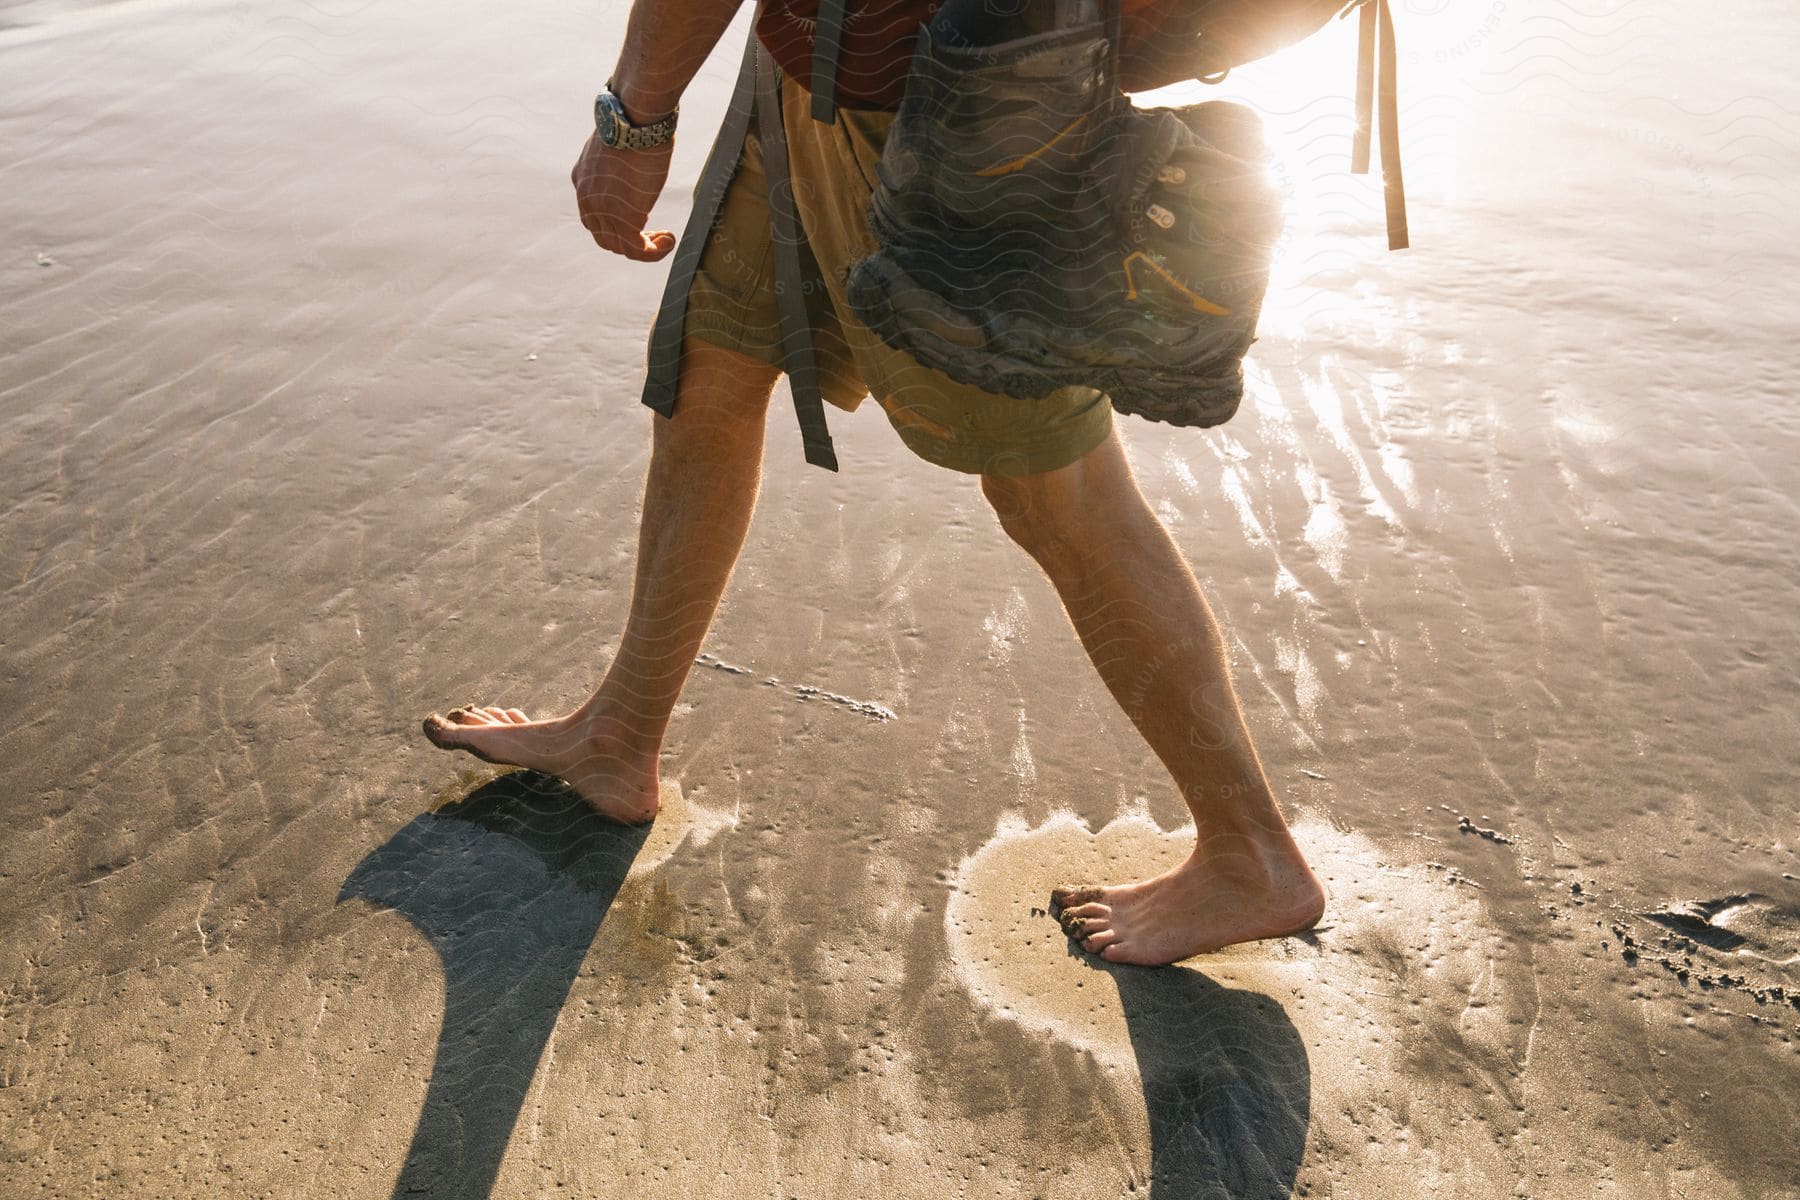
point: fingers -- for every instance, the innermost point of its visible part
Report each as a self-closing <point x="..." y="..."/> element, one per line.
<point x="633" y="244"/>
<point x="654" y="245"/>
<point x="614" y="192"/>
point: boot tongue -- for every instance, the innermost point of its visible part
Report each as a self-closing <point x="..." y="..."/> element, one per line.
<point x="1129" y="148"/>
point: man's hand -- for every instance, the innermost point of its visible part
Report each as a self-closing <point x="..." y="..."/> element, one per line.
<point x="664" y="46"/>
<point x="614" y="190"/>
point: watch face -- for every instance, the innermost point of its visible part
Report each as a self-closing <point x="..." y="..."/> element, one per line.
<point x="606" y="122"/>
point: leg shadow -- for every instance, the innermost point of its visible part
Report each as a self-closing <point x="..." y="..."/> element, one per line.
<point x="509" y="885"/>
<point x="1226" y="1082"/>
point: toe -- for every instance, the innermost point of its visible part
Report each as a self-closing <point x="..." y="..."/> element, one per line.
<point x="1113" y="951"/>
<point x="1089" y="911"/>
<point x="515" y="716"/>
<point x="1070" y="895"/>
<point x="437" y="731"/>
<point x="1095" y="943"/>
<point x="1078" y="927"/>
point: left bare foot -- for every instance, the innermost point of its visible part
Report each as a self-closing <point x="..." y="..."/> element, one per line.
<point x="1205" y="904"/>
<point x="617" y="783"/>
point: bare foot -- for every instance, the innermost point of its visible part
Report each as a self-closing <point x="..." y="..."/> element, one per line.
<point x="1206" y="903"/>
<point x="616" y="784"/>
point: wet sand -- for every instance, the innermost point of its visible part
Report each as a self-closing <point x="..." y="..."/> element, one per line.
<point x="318" y="412"/>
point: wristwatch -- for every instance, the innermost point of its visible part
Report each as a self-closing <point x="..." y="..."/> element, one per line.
<point x="614" y="128"/>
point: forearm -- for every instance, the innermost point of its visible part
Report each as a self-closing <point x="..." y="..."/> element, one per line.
<point x="665" y="43"/>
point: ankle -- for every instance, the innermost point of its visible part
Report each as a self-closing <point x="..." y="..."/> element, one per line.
<point x="1253" y="851"/>
<point x="618" y="737"/>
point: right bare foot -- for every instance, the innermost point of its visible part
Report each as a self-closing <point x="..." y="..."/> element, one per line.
<point x="618" y="785"/>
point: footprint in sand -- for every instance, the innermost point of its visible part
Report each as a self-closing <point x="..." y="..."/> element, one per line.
<point x="1748" y="926"/>
<point x="1347" y="987"/>
<point x="1248" y="1056"/>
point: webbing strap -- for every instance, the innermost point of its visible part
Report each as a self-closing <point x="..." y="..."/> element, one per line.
<point x="662" y="378"/>
<point x="1376" y="70"/>
<point x="795" y="270"/>
<point x="758" y="92"/>
<point x="1365" y="88"/>
<point x="828" y="38"/>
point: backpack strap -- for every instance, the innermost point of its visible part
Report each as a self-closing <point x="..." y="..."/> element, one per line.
<point x="828" y="39"/>
<point x="795" y="268"/>
<point x="1376" y="67"/>
<point x="758" y="93"/>
<point x="662" y="378"/>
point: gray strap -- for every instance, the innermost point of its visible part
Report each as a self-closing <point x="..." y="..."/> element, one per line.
<point x="828" y="38"/>
<point x="796" y="271"/>
<point x="663" y="374"/>
<point x="758" y="89"/>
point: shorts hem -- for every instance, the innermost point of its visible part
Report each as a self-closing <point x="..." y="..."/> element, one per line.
<point x="1053" y="454"/>
<point x="718" y="330"/>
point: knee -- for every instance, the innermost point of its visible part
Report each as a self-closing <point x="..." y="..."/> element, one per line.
<point x="1092" y="501"/>
<point x="722" y="401"/>
<point x="1036" y="511"/>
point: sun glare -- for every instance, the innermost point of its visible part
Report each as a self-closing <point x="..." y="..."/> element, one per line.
<point x="1305" y="95"/>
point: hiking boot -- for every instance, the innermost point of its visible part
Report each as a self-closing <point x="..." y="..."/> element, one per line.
<point x="1037" y="231"/>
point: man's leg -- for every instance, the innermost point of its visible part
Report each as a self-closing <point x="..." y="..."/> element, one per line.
<point x="1139" y="613"/>
<point x="705" y="468"/>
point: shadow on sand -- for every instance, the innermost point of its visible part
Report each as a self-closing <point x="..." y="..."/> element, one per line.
<point x="509" y="885"/>
<point x="1226" y="1083"/>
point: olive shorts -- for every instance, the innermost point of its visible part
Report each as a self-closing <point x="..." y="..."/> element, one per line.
<point x="732" y="303"/>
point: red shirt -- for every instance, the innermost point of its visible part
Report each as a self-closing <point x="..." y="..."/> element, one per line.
<point x="880" y="35"/>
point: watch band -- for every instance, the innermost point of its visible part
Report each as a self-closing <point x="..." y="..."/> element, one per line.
<point x="617" y="131"/>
